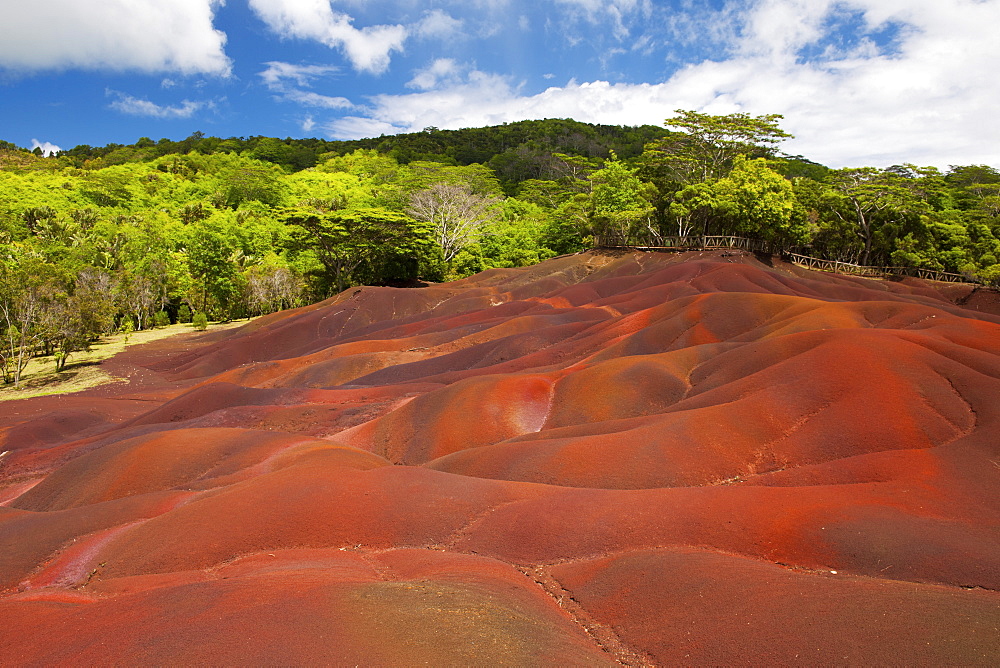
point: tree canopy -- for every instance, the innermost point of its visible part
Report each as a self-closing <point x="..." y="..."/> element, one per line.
<point x="103" y="238"/>
<point x="708" y="145"/>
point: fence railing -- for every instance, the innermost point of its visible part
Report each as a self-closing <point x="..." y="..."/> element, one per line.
<point x="679" y="243"/>
<point x="686" y="242"/>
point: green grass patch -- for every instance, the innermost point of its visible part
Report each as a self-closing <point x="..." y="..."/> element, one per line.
<point x="83" y="370"/>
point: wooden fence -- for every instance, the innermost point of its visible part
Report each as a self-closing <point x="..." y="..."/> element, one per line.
<point x="683" y="243"/>
<point x="686" y="243"/>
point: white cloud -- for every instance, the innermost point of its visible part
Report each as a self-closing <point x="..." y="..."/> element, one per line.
<point x="119" y="35"/>
<point x="48" y="148"/>
<point x="478" y="99"/>
<point x="278" y="73"/>
<point x="368" y="48"/>
<point x="930" y="99"/>
<point x="593" y="7"/>
<point x="310" y="99"/>
<point x="134" y="106"/>
<point x="288" y="81"/>
<point x="620" y="13"/>
<point x="443" y="71"/>
<point x="438" y="24"/>
<point x="779" y="29"/>
<point x="354" y="127"/>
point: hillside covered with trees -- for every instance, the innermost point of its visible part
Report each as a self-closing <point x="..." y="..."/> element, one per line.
<point x="95" y="240"/>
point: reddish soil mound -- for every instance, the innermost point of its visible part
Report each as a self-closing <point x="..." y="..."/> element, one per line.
<point x="643" y="459"/>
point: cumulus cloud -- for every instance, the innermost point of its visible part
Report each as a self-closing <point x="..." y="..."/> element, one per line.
<point x="134" y="106"/>
<point x="48" y="148"/>
<point x="438" y="24"/>
<point x="442" y="71"/>
<point x="137" y="35"/>
<point x="924" y="97"/>
<point x="368" y="49"/>
<point x="928" y="94"/>
<point x="289" y="82"/>
<point x="478" y="99"/>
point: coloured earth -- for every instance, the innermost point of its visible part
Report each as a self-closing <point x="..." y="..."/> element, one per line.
<point x="604" y="459"/>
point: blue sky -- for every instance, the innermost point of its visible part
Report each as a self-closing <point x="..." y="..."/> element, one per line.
<point x="860" y="82"/>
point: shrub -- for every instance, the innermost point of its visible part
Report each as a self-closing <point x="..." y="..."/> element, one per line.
<point x="127" y="328"/>
<point x="200" y="321"/>
<point x="161" y="319"/>
<point x="184" y="313"/>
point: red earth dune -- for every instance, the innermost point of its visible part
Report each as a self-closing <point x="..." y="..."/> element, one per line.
<point x="638" y="459"/>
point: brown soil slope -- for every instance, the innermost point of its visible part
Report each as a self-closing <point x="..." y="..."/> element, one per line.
<point x="638" y="458"/>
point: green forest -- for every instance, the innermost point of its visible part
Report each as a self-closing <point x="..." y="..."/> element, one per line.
<point x="127" y="237"/>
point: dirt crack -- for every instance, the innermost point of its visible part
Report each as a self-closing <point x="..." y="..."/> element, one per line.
<point x="471" y="525"/>
<point x="972" y="409"/>
<point x="960" y="430"/>
<point x="603" y="636"/>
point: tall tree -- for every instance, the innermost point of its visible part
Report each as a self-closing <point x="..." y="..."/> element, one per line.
<point x="756" y="201"/>
<point x="977" y="189"/>
<point x="752" y="200"/>
<point x="83" y="316"/>
<point x="459" y="215"/>
<point x="210" y="248"/>
<point x="707" y="144"/>
<point x="867" y="198"/>
<point x="620" y="201"/>
<point x="27" y="286"/>
<point x="342" y="240"/>
<point x="273" y="287"/>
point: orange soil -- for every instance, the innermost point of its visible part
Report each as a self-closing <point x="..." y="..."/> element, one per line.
<point x="629" y="458"/>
